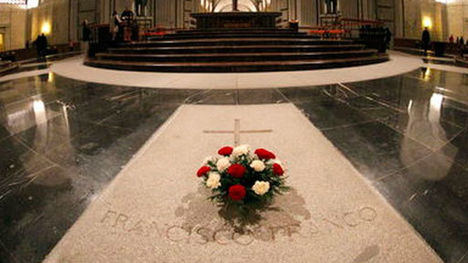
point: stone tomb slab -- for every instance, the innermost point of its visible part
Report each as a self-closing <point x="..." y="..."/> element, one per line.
<point x="157" y="211"/>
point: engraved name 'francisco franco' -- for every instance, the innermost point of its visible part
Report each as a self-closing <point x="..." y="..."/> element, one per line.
<point x="222" y="235"/>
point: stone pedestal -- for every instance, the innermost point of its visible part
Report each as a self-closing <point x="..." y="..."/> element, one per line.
<point x="144" y="22"/>
<point x="236" y="20"/>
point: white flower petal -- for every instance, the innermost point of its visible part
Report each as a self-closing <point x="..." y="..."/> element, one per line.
<point x="223" y="164"/>
<point x="213" y="180"/>
<point x="261" y="187"/>
<point x="241" y="150"/>
<point x="258" y="165"/>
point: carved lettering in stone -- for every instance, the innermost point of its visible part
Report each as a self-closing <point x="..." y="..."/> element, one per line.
<point x="223" y="235"/>
<point x="218" y="236"/>
<point x="120" y="220"/>
<point x="368" y="214"/>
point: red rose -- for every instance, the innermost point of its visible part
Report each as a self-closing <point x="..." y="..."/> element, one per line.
<point x="236" y="170"/>
<point x="237" y="192"/>
<point x="225" y="151"/>
<point x="203" y="171"/>
<point x="277" y="169"/>
<point x="264" y="154"/>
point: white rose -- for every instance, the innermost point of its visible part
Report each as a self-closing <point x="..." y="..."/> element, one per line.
<point x="208" y="159"/>
<point x="223" y="164"/>
<point x="261" y="188"/>
<point x="213" y="180"/>
<point x="253" y="156"/>
<point x="241" y="150"/>
<point x="258" y="165"/>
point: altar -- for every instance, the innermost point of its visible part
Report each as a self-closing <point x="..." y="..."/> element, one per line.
<point x="236" y="20"/>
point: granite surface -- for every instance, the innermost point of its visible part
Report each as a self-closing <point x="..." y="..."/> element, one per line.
<point x="156" y="210"/>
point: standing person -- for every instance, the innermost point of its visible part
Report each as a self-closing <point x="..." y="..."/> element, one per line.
<point x="85" y="37"/>
<point x="426" y="39"/>
<point x="45" y="44"/>
<point x="460" y="46"/>
<point x="127" y="17"/>
<point x="37" y="43"/>
<point x="117" y="30"/>
<point x="388" y="37"/>
<point x="451" y="39"/>
<point x="41" y="45"/>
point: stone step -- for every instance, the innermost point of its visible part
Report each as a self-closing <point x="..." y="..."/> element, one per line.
<point x="256" y="66"/>
<point x="237" y="30"/>
<point x="236" y="41"/>
<point x="230" y="57"/>
<point x="7" y="67"/>
<point x="231" y="35"/>
<point x="272" y="47"/>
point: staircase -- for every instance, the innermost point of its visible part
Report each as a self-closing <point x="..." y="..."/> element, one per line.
<point x="7" y="67"/>
<point x="236" y="50"/>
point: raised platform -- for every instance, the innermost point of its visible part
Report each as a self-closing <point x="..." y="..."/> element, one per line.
<point x="235" y="42"/>
<point x="235" y="50"/>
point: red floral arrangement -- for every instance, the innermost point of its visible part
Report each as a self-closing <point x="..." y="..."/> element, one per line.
<point x="243" y="178"/>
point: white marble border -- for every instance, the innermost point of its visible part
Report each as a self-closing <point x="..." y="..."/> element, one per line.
<point x="74" y="69"/>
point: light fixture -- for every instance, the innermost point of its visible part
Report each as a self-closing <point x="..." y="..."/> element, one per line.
<point x="427" y="22"/>
<point x="13" y="2"/>
<point x="26" y="4"/>
<point x="45" y="28"/>
<point x="32" y="4"/>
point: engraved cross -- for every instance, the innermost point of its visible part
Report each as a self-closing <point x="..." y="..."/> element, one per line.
<point x="237" y="132"/>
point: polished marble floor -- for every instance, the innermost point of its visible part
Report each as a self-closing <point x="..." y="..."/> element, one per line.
<point x="62" y="141"/>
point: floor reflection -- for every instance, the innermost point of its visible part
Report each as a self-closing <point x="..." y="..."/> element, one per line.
<point x="61" y="142"/>
<point x="408" y="135"/>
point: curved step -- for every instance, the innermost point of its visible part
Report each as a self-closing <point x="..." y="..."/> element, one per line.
<point x="237" y="30"/>
<point x="272" y="47"/>
<point x="230" y="35"/>
<point x="236" y="41"/>
<point x="6" y="68"/>
<point x="230" y="57"/>
<point x="237" y="66"/>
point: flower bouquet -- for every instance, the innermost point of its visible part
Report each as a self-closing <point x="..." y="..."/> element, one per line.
<point x="243" y="179"/>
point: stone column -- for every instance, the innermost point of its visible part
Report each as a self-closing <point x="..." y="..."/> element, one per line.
<point x="308" y="12"/>
<point x="165" y="12"/>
